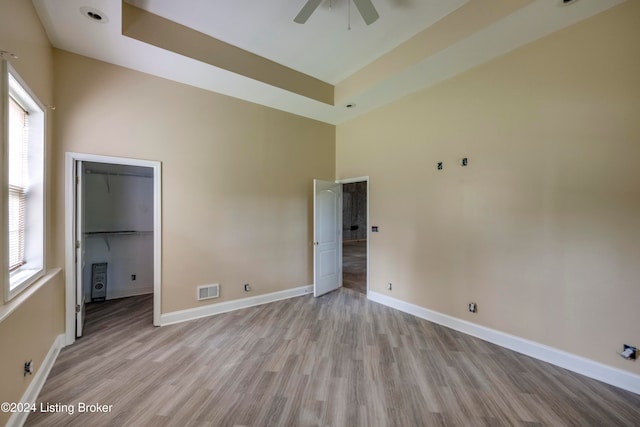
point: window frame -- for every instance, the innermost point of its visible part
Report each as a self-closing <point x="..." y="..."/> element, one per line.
<point x="14" y="282"/>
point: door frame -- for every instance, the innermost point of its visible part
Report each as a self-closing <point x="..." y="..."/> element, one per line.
<point x="350" y="181"/>
<point x="71" y="159"/>
<point x="79" y="207"/>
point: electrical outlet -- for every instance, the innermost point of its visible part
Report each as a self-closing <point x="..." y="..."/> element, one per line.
<point x="473" y="307"/>
<point x="629" y="352"/>
<point x="28" y="368"/>
<point x="247" y="287"/>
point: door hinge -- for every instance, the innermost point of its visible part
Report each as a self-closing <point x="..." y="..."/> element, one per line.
<point x="77" y="244"/>
<point x="77" y="308"/>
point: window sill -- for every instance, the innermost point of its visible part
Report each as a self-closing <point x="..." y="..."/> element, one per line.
<point x="21" y="280"/>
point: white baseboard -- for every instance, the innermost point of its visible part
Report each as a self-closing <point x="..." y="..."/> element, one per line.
<point x="129" y="292"/>
<point x="224" y="307"/>
<point x="30" y="395"/>
<point x="587" y="367"/>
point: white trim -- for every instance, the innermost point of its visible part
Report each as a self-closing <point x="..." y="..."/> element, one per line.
<point x="350" y="181"/>
<point x="128" y="292"/>
<point x="69" y="246"/>
<point x="35" y="386"/>
<point x="226" y="306"/>
<point x="69" y="196"/>
<point x="4" y="178"/>
<point x="587" y="367"/>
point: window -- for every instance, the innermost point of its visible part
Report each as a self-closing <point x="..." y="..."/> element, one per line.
<point x="23" y="198"/>
<point x="18" y="151"/>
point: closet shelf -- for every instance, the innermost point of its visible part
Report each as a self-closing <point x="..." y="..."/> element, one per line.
<point x="117" y="233"/>
<point x="107" y="234"/>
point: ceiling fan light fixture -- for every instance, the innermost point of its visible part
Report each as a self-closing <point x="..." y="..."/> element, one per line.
<point x="367" y="11"/>
<point x="309" y="7"/>
<point x="365" y="7"/>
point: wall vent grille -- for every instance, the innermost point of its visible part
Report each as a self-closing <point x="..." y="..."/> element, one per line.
<point x="208" y="291"/>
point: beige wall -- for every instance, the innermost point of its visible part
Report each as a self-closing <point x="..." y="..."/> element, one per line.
<point x="541" y="229"/>
<point x="236" y="177"/>
<point x="28" y="334"/>
<point x="30" y="329"/>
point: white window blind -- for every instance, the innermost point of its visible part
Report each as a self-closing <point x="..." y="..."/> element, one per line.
<point x="18" y="182"/>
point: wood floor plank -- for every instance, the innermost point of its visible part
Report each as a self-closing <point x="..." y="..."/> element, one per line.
<point x="337" y="360"/>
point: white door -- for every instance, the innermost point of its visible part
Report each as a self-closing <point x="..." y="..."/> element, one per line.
<point x="327" y="244"/>
<point x="79" y="235"/>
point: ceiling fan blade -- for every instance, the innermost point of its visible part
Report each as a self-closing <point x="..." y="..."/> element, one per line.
<point x="306" y="11"/>
<point x="367" y="10"/>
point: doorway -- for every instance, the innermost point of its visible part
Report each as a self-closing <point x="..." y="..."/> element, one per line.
<point x="331" y="266"/>
<point x="112" y="233"/>
<point x="118" y="231"/>
<point x="354" y="235"/>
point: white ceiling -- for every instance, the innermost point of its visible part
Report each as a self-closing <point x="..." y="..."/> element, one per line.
<point x="324" y="47"/>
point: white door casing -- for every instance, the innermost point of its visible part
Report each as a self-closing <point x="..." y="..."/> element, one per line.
<point x="71" y="214"/>
<point x="79" y="238"/>
<point x="327" y="241"/>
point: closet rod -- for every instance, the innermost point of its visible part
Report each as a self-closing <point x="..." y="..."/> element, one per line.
<point x="88" y="171"/>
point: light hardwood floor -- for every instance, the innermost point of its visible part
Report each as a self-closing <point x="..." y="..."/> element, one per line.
<point x="354" y="265"/>
<point x="338" y="360"/>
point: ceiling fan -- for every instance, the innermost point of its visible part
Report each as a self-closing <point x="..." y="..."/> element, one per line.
<point x="365" y="7"/>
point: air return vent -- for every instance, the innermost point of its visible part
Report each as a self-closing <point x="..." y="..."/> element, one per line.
<point x="208" y="291"/>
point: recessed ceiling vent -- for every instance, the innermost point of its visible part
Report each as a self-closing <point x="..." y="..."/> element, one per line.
<point x="94" y="15"/>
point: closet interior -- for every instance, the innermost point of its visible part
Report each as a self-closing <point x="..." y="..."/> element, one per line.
<point x="117" y="216"/>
